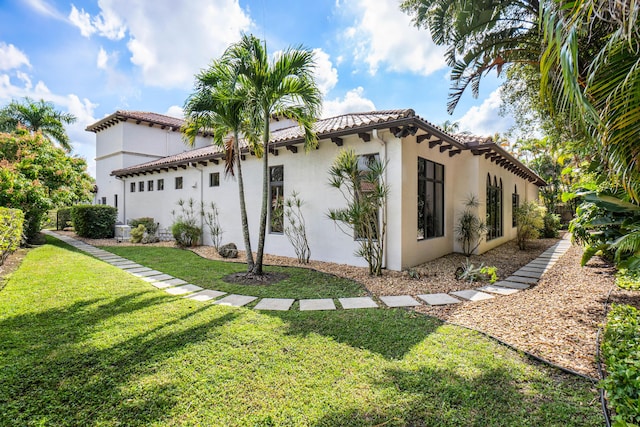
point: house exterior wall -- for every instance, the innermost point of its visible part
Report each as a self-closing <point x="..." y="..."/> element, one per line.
<point x="126" y="144"/>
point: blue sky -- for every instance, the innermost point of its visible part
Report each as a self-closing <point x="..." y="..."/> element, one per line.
<point x="93" y="57"/>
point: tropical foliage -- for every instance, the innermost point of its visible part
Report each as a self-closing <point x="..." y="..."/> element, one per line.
<point x="185" y="228"/>
<point x="296" y="230"/>
<point x="36" y="176"/>
<point x="256" y="88"/>
<point x="470" y="228"/>
<point x="37" y="116"/>
<point x="530" y="220"/>
<point x="11" y="221"/>
<point x="360" y="180"/>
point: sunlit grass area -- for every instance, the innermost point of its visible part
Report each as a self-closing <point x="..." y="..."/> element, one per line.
<point x="83" y="343"/>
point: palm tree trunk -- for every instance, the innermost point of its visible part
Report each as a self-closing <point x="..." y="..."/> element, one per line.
<point x="257" y="269"/>
<point x="243" y="207"/>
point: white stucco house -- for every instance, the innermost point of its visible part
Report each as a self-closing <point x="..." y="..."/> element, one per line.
<point x="143" y="168"/>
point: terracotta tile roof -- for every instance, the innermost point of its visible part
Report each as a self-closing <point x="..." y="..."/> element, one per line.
<point x="138" y="116"/>
<point x="346" y="124"/>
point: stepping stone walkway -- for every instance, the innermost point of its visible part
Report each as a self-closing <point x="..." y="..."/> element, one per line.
<point x="522" y="279"/>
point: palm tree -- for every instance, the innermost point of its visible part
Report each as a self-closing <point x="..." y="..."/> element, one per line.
<point x="217" y="105"/>
<point x="481" y="35"/>
<point x="591" y="72"/>
<point x="282" y="87"/>
<point x="37" y="116"/>
<point x="449" y="126"/>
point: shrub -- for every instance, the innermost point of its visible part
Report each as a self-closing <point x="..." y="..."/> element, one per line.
<point x="530" y="219"/>
<point x="184" y="228"/>
<point x="94" y="221"/>
<point x="622" y="358"/>
<point x="470" y="273"/>
<point x="137" y="233"/>
<point x="63" y="218"/>
<point x="11" y="229"/>
<point x="470" y="229"/>
<point x="150" y="226"/>
<point x="186" y="234"/>
<point x="551" y="225"/>
<point x="296" y="231"/>
<point x="212" y="219"/>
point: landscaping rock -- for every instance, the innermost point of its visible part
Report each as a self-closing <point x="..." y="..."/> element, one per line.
<point x="230" y="250"/>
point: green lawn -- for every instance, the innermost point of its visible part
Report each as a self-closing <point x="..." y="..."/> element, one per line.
<point x="301" y="283"/>
<point x="83" y="343"/>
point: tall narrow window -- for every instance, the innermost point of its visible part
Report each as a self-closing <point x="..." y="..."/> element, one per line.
<point x="160" y="184"/>
<point x="141" y="186"/>
<point x="178" y="183"/>
<point x="276" y="196"/>
<point x="214" y="179"/>
<point x="104" y="200"/>
<point x="494" y="208"/>
<point x="115" y="201"/>
<point x="150" y="185"/>
<point x="430" y="199"/>
<point x="132" y="187"/>
<point x="515" y="204"/>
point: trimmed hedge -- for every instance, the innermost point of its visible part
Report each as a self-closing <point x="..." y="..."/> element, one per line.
<point x="94" y="221"/>
<point x="11" y="229"/>
<point x="621" y="351"/>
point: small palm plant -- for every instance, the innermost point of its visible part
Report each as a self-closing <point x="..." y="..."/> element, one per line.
<point x="470" y="229"/>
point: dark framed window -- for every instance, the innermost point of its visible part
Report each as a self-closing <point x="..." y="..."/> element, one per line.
<point x="430" y="199"/>
<point x="132" y="187"/>
<point x="150" y="185"/>
<point x="276" y="196"/>
<point x="141" y="186"/>
<point x="178" y="183"/>
<point x="365" y="162"/>
<point x="494" y="208"/>
<point x="214" y="179"/>
<point x="160" y="184"/>
<point x="115" y="200"/>
<point x="104" y="200"/>
<point x="515" y="204"/>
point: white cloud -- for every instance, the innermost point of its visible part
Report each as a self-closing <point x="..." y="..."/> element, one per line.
<point x="106" y="24"/>
<point x="103" y="59"/>
<point x="384" y="36"/>
<point x="44" y="8"/>
<point x="11" y="57"/>
<point x="175" y="111"/>
<point x="485" y="119"/>
<point x="169" y="43"/>
<point x="352" y="102"/>
<point x="325" y="73"/>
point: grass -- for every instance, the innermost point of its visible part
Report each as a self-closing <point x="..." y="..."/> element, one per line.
<point x="301" y="283"/>
<point x="84" y="343"/>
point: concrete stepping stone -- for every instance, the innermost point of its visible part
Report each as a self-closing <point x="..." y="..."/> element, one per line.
<point x="278" y="304"/>
<point x="175" y="281"/>
<point x="521" y="279"/>
<point x="399" y="301"/>
<point x="128" y="266"/>
<point x="120" y="262"/>
<point x="509" y="284"/>
<point x="161" y="277"/>
<point x="523" y="273"/>
<point x="472" y="295"/>
<point x="498" y="290"/>
<point x="357" y="302"/>
<point x="206" y="295"/>
<point x="184" y="289"/>
<point x="147" y="273"/>
<point x="157" y="283"/>
<point x="140" y="269"/>
<point x="439" y="299"/>
<point x="317" y="304"/>
<point x="235" y="300"/>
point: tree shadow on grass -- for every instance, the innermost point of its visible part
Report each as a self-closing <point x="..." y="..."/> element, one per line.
<point x="441" y="397"/>
<point x="390" y="333"/>
<point x="55" y="371"/>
